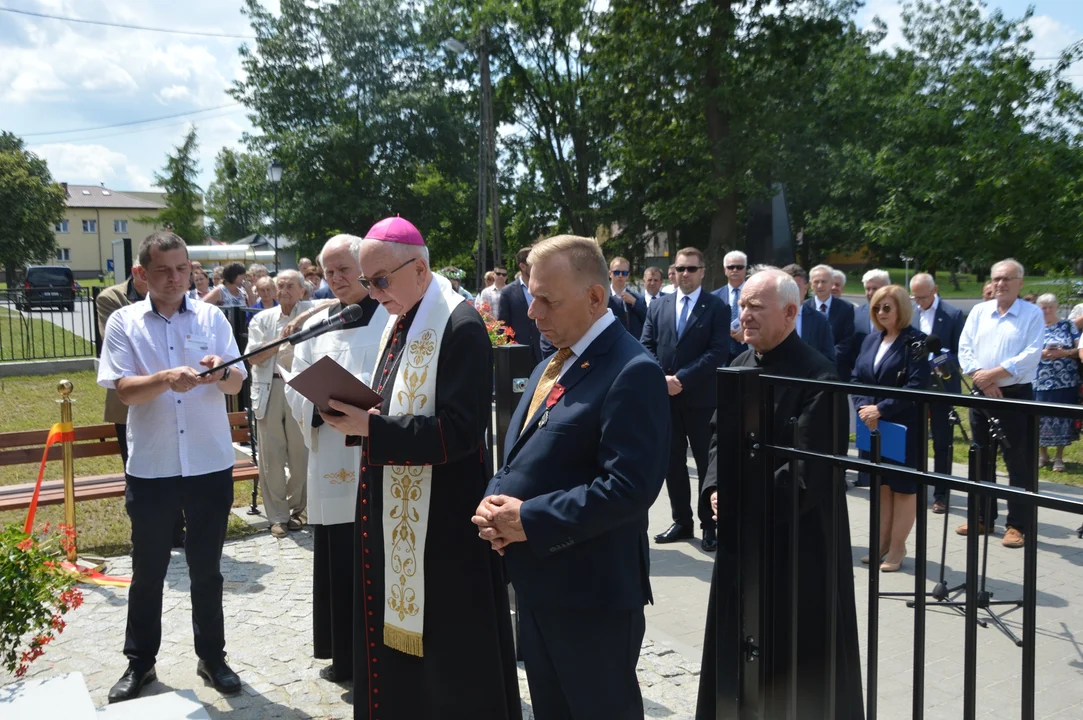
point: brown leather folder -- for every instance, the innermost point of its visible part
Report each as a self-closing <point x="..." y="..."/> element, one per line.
<point x="325" y="379"/>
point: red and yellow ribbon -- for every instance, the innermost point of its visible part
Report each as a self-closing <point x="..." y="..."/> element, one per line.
<point x="60" y="432"/>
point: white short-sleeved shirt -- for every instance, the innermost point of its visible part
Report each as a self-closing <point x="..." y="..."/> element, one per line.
<point x="175" y="434"/>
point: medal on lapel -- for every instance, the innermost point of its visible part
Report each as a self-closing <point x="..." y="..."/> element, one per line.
<point x="554" y="397"/>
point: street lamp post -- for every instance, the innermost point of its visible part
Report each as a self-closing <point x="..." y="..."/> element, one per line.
<point x="488" y="191"/>
<point x="274" y="175"/>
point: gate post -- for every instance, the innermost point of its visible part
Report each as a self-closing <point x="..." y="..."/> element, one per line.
<point x="512" y="367"/>
<point x="741" y="393"/>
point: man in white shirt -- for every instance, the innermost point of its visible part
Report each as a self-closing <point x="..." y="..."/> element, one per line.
<point x="652" y="285"/>
<point x="491" y="295"/>
<point x="180" y="455"/>
<point x="736" y="266"/>
<point x="632" y="305"/>
<point x="671" y="286"/>
<point x="280" y="437"/>
<point x="1000" y="348"/>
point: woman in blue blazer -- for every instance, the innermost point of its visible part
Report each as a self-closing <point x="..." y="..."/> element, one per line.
<point x="886" y="359"/>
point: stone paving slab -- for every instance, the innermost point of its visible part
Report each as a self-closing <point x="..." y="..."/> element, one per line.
<point x="268" y="621"/>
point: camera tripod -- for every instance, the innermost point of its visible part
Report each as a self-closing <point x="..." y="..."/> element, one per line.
<point x="981" y="465"/>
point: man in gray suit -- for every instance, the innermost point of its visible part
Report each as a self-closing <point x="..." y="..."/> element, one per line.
<point x="933" y="316"/>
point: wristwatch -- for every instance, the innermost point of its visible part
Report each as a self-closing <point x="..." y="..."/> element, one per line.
<point x="225" y="374"/>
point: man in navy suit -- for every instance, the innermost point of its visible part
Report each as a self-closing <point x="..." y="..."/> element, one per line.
<point x="633" y="308"/>
<point x="933" y="316"/>
<point x="689" y="332"/>
<point x="812" y="327"/>
<point x="840" y="313"/>
<point x="873" y="280"/>
<point x="568" y="510"/>
<point x="736" y="264"/>
<point x="515" y="301"/>
<point x="652" y="286"/>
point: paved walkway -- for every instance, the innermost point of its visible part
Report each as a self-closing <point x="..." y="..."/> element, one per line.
<point x="268" y="620"/>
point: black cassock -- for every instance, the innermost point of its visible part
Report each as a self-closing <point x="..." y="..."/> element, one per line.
<point x="792" y="358"/>
<point x="468" y="668"/>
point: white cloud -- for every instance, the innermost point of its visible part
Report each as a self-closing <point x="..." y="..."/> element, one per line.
<point x="173" y="92"/>
<point x="889" y="12"/>
<point x="1051" y="36"/>
<point x="93" y="164"/>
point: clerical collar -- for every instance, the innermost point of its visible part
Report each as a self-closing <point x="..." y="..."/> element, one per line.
<point x="779" y="352"/>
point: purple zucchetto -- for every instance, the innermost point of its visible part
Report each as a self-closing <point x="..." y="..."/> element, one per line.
<point x="396" y="230"/>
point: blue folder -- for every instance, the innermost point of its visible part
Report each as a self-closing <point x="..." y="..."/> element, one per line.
<point x="892" y="440"/>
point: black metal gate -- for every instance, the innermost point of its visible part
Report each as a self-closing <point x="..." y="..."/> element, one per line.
<point x="765" y="689"/>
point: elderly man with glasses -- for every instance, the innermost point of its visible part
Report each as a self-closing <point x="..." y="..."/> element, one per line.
<point x="1000" y="348"/>
<point x="332" y="465"/>
<point x="736" y="264"/>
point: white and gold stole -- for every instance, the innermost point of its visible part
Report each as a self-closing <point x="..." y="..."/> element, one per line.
<point x="406" y="491"/>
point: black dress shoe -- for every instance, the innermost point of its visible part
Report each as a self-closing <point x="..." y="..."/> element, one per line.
<point x="224" y="680"/>
<point x="130" y="683"/>
<point x="331" y="674"/>
<point x="710" y="539"/>
<point x="675" y="533"/>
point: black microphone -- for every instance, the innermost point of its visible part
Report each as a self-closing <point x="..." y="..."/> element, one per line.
<point x="349" y="314"/>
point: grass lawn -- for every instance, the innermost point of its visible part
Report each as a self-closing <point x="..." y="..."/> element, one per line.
<point x="84" y="282"/>
<point x="1073" y="457"/>
<point x="970" y="288"/>
<point x="29" y="403"/>
<point x="25" y="338"/>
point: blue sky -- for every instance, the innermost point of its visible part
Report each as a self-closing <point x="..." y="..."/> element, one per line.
<point x="58" y="76"/>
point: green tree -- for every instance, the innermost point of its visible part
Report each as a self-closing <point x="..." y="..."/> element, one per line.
<point x="984" y="156"/>
<point x="710" y="104"/>
<point x="32" y="204"/>
<point x="239" y="200"/>
<point x="357" y="109"/>
<point x="182" y="194"/>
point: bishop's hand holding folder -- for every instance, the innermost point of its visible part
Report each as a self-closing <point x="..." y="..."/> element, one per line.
<point x="326" y="380"/>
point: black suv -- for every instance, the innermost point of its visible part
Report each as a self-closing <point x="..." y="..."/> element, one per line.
<point x="48" y="285"/>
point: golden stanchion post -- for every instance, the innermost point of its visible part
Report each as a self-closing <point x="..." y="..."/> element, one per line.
<point x="64" y="387"/>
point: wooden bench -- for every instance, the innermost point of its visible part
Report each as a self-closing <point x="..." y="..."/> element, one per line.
<point x="19" y="448"/>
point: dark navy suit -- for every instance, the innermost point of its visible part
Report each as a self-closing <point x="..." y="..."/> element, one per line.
<point x="512" y="310"/>
<point x="587" y="471"/>
<point x="816" y="332"/>
<point x="898" y="369"/>
<point x="633" y="315"/>
<point x="701" y="349"/>
<point x="948" y="326"/>
<point x="841" y="316"/>
<point x="723" y="292"/>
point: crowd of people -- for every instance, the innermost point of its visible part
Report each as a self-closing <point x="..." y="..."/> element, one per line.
<point x="398" y="495"/>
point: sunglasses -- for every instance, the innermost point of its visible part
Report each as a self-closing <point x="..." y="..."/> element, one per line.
<point x="735" y="267"/>
<point x="502" y="274"/>
<point x="688" y="268"/>
<point x="382" y="281"/>
<point x="883" y="308"/>
<point x="620" y="273"/>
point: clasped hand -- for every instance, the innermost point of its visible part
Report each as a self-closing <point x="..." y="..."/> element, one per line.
<point x="499" y="522"/>
<point x="870" y="415"/>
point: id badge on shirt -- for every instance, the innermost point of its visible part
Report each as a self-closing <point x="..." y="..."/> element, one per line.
<point x="197" y="343"/>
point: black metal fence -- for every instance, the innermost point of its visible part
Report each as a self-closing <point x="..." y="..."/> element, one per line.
<point x="765" y="648"/>
<point x="44" y="328"/>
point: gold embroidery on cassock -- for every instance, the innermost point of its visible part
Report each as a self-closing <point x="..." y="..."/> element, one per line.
<point x="406" y="488"/>
<point x="342" y="476"/>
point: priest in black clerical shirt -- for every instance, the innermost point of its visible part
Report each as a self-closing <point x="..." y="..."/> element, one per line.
<point x="431" y="620"/>
<point x="769" y="306"/>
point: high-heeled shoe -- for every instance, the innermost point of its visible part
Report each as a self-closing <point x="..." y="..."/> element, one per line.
<point x="865" y="559"/>
<point x="887" y="566"/>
